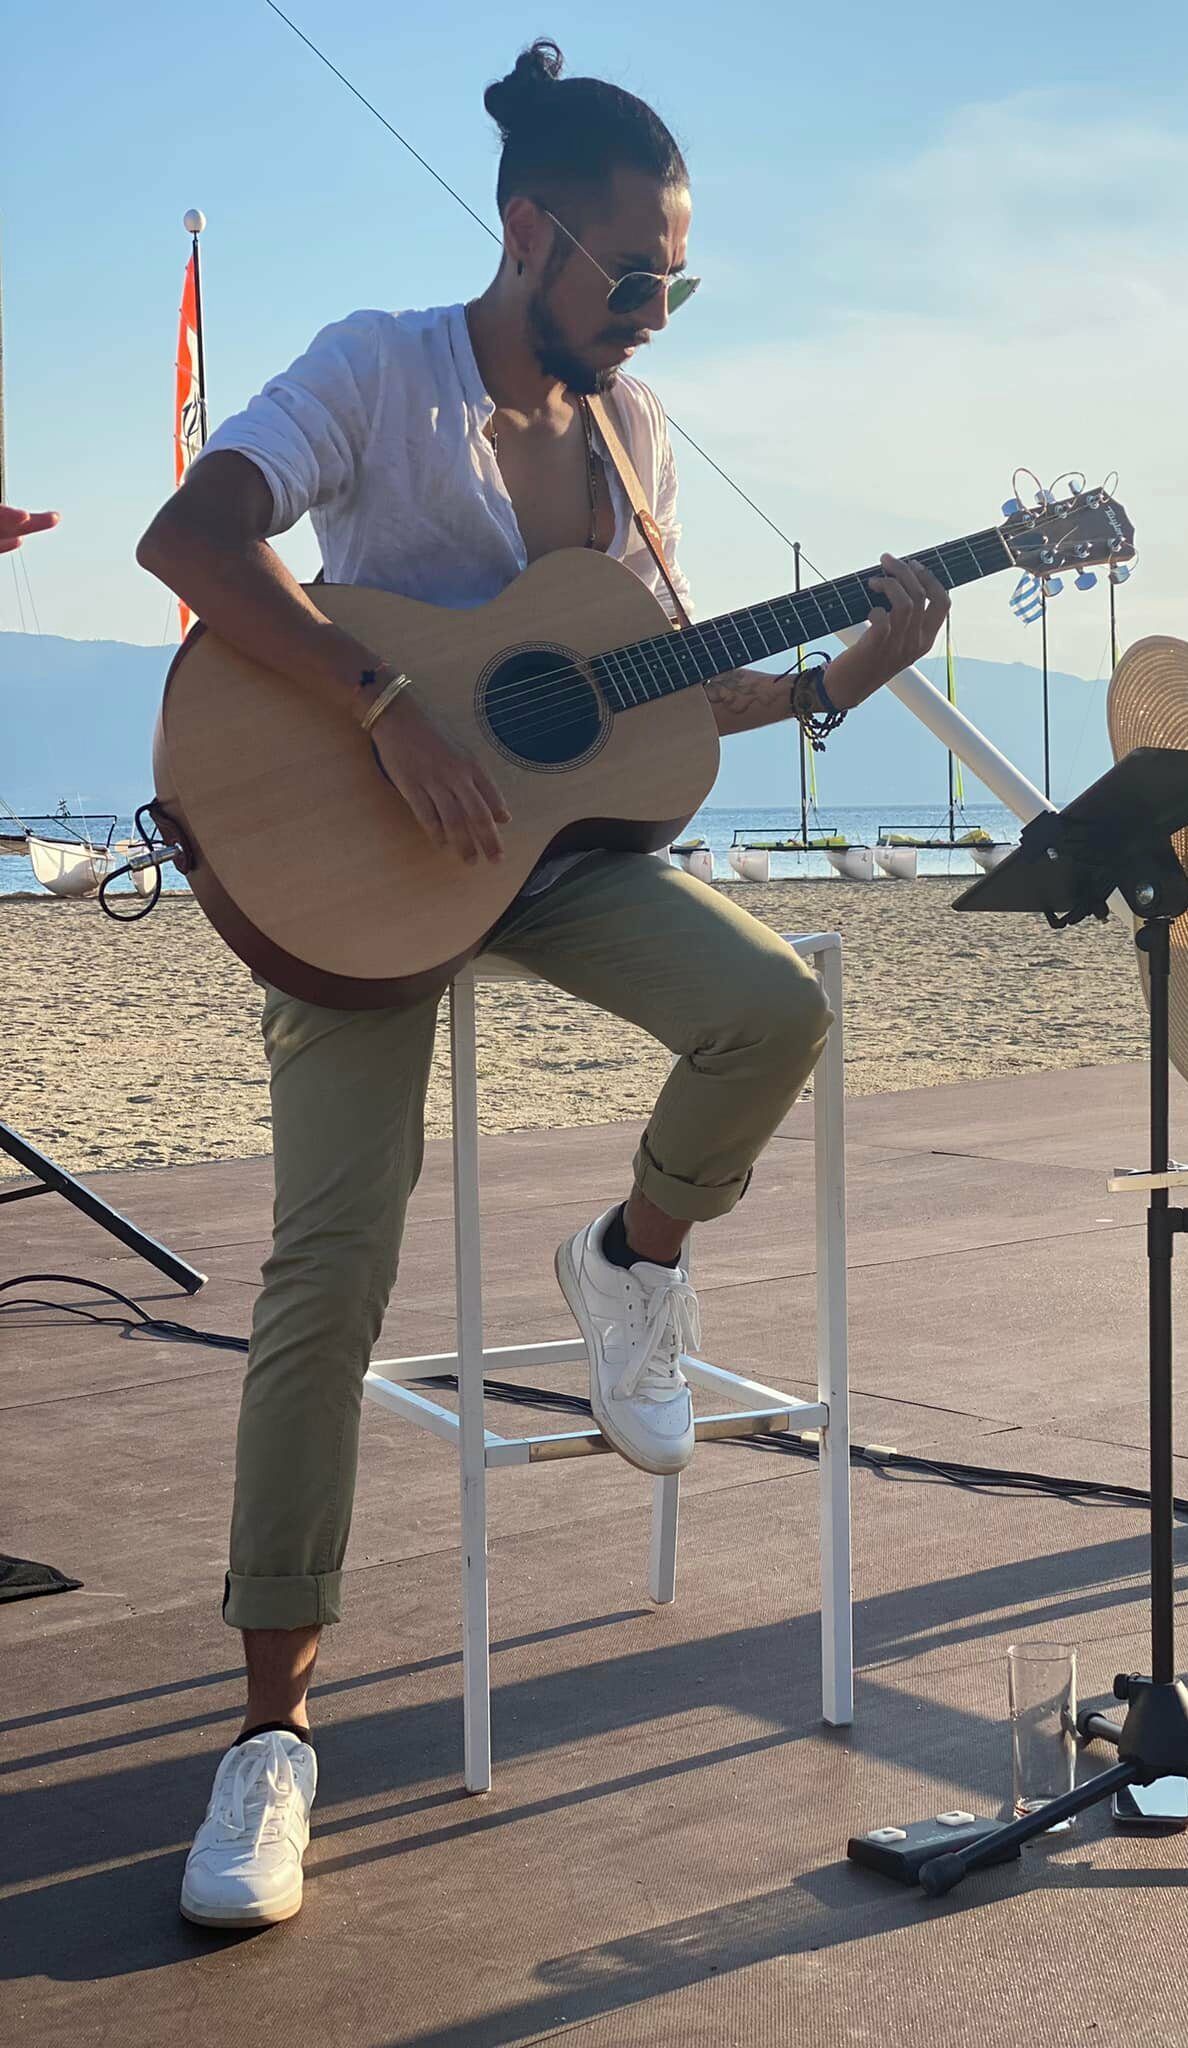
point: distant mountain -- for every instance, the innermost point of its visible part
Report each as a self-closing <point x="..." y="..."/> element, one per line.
<point x="883" y="755"/>
<point x="76" y="720"/>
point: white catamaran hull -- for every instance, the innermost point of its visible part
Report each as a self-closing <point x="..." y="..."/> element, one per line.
<point x="699" y="863"/>
<point x="990" y="857"/>
<point x="68" y="867"/>
<point x="900" y="862"/>
<point x="748" y="866"/>
<point x="853" y="863"/>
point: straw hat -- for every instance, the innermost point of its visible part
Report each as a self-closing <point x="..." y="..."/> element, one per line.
<point x="1147" y="706"/>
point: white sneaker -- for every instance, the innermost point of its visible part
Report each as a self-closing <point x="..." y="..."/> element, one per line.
<point x="636" y="1322"/>
<point x="244" y="1869"/>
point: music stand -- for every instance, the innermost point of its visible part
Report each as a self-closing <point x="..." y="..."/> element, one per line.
<point x="1117" y="836"/>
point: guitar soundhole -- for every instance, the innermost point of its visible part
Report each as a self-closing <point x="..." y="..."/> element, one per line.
<point x="540" y="709"/>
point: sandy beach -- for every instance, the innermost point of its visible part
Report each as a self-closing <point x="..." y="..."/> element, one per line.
<point x="141" y="1047"/>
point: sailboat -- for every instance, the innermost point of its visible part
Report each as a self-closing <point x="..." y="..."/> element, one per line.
<point x="750" y="858"/>
<point x="72" y="855"/>
<point x="897" y="848"/>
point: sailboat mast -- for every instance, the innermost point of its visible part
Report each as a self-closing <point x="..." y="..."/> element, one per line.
<point x="800" y="728"/>
<point x="1044" y="644"/>
<point x="949" y="692"/>
<point x="1111" y="579"/>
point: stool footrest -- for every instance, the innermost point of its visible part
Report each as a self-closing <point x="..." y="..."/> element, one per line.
<point x="801" y="1416"/>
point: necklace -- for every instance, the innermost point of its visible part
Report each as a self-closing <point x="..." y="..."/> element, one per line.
<point x="588" y="432"/>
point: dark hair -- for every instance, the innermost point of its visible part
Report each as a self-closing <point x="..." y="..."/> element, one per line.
<point x="559" y="134"/>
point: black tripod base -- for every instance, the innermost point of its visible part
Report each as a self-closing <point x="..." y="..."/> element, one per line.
<point x="1151" y="1743"/>
<point x="52" y="1179"/>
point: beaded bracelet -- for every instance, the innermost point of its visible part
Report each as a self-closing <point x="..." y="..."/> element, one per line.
<point x="811" y="703"/>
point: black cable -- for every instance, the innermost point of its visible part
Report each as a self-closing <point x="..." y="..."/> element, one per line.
<point x="152" y="840"/>
<point x="157" y="1325"/>
<point x="876" y="1457"/>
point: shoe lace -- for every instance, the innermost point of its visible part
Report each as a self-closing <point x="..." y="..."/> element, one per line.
<point x="256" y="1795"/>
<point x="672" y="1325"/>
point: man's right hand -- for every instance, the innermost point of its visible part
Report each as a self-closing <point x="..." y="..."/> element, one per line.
<point x="450" y="795"/>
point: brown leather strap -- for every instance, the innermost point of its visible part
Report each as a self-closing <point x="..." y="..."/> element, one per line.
<point x="629" y="479"/>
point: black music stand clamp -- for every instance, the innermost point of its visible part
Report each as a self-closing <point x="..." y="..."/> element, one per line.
<point x="1117" y="836"/>
<point x="54" y="1180"/>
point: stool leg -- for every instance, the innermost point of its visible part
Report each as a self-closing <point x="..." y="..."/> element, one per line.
<point x="666" y="1498"/>
<point x="837" y="1634"/>
<point x="468" y="1274"/>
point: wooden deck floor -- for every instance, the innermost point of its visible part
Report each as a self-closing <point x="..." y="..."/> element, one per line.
<point x="662" y="1857"/>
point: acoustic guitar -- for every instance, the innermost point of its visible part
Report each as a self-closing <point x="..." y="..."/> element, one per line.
<point x="574" y="690"/>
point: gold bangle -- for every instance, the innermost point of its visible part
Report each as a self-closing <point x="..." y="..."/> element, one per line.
<point x="386" y="696"/>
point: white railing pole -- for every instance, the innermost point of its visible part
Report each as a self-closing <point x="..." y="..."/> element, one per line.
<point x="476" y="1655"/>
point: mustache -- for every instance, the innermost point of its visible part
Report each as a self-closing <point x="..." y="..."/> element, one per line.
<point x="626" y="340"/>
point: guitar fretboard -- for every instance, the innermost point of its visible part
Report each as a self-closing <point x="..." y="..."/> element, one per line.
<point x="648" y="669"/>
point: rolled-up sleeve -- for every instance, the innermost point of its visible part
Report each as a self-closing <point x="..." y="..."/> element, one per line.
<point x="307" y="430"/>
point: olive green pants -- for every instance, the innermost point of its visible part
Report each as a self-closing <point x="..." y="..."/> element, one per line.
<point x="637" y="938"/>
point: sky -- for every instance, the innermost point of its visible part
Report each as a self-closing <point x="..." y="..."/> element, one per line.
<point x="937" y="242"/>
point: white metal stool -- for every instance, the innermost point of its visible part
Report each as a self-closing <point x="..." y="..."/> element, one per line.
<point x="764" y="1408"/>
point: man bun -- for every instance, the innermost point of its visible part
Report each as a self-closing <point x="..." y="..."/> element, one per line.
<point x="565" y="138"/>
<point x="517" y="98"/>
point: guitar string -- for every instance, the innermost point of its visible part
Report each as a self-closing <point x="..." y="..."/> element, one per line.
<point x="570" y="685"/>
<point x="565" y="689"/>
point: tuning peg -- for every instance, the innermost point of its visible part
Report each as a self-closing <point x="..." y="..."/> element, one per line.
<point x="1055" y="585"/>
<point x="1010" y="507"/>
<point x="1119" y="572"/>
<point x="1086" y="580"/>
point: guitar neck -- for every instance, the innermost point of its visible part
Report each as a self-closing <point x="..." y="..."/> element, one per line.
<point x="648" y="669"/>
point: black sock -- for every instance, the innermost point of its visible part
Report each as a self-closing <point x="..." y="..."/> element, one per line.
<point x="616" y="1250"/>
<point x="263" y="1728"/>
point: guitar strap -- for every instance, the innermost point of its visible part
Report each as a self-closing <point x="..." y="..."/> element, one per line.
<point x="644" y="521"/>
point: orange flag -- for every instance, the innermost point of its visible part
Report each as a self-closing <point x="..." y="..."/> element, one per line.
<point x="189" y="424"/>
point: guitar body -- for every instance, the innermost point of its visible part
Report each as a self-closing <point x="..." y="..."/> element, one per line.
<point x="309" y="863"/>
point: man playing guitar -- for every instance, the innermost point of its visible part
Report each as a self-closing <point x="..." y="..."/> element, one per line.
<point x="439" y="453"/>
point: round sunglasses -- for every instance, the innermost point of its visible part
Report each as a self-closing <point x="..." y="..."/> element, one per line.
<point x="632" y="293"/>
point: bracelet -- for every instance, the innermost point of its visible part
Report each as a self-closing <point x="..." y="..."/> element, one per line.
<point x="811" y="703"/>
<point x="387" y="696"/>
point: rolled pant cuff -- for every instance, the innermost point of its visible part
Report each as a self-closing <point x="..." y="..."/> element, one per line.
<point x="297" y="1602"/>
<point x="686" y="1200"/>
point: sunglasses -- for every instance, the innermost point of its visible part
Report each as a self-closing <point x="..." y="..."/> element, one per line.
<point x="632" y="293"/>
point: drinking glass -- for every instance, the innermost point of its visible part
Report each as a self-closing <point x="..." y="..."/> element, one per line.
<point x="1042" y="1678"/>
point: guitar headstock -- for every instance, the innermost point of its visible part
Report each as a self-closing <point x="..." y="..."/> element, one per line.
<point x="1086" y="530"/>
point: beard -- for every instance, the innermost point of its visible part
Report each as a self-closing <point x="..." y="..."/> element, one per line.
<point x="557" y="358"/>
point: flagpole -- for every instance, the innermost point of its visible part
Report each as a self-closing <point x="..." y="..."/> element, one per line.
<point x="2" y="393"/>
<point x="194" y="223"/>
<point x="799" y="726"/>
<point x="1044" y="632"/>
